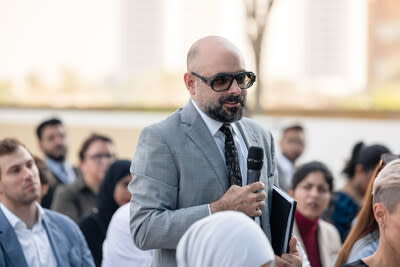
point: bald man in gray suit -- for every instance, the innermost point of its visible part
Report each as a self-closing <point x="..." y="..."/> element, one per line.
<point x="179" y="170"/>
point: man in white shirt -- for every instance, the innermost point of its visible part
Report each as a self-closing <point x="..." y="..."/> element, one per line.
<point x="192" y="164"/>
<point x="30" y="235"/>
<point x="292" y="145"/>
<point x="52" y="140"/>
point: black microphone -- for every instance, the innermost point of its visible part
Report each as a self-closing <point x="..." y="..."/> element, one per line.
<point x="255" y="160"/>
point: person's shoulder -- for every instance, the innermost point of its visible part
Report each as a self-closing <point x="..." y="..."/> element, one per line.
<point x="164" y="125"/>
<point x="328" y="226"/>
<point x="60" y="219"/>
<point x="342" y="199"/>
<point x="358" y="263"/>
<point x="329" y="229"/>
<point x="256" y="127"/>
<point x="122" y="212"/>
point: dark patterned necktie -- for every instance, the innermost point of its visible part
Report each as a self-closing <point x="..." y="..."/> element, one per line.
<point x="231" y="156"/>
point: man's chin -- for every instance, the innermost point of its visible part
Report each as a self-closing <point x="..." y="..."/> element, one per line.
<point x="57" y="158"/>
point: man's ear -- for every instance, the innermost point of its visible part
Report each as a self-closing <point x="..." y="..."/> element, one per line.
<point x="190" y="83"/>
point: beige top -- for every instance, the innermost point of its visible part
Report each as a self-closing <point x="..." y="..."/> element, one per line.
<point x="328" y="240"/>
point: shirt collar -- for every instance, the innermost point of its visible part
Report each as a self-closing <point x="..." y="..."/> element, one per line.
<point x="212" y="125"/>
<point x="16" y="222"/>
<point x="54" y="164"/>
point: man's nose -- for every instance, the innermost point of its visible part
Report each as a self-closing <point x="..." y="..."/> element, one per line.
<point x="234" y="89"/>
<point x="28" y="173"/>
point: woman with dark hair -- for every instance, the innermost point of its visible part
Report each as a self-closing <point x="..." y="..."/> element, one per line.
<point x="113" y="193"/>
<point x="347" y="201"/>
<point x="312" y="185"/>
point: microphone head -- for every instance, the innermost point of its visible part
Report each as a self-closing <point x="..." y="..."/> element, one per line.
<point x="255" y="158"/>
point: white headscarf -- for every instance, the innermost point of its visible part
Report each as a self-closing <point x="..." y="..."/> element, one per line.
<point x="227" y="238"/>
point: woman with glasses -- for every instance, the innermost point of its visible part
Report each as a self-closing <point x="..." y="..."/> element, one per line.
<point x="312" y="185"/>
<point x="386" y="211"/>
<point x="77" y="199"/>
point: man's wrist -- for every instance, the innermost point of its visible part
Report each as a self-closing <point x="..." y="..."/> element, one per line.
<point x="215" y="206"/>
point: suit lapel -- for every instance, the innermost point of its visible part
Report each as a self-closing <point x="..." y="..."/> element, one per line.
<point x="10" y="244"/>
<point x="56" y="240"/>
<point x="197" y="131"/>
<point x="252" y="139"/>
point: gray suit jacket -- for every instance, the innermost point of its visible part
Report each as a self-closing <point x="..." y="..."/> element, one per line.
<point x="177" y="171"/>
<point x="68" y="244"/>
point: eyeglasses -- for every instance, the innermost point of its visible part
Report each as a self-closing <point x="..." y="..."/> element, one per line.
<point x="223" y="81"/>
<point x="97" y="157"/>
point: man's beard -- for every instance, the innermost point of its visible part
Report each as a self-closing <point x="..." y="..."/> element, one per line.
<point x="217" y="112"/>
<point x="60" y="157"/>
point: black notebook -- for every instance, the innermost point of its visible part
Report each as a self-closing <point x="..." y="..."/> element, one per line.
<point x="283" y="208"/>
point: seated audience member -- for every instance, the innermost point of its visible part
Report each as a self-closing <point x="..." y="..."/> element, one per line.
<point x="78" y="199"/>
<point x="45" y="175"/>
<point x="52" y="140"/>
<point x="226" y="238"/>
<point x="29" y="234"/>
<point x="386" y="209"/>
<point x="363" y="238"/>
<point x="119" y="248"/>
<point x="113" y="193"/>
<point x="292" y="145"/>
<point x="346" y="202"/>
<point x="312" y="186"/>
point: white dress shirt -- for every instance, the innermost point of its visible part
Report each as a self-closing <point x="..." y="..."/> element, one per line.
<point x="118" y="247"/>
<point x="287" y="170"/>
<point x="34" y="242"/>
<point x="219" y="137"/>
<point x="63" y="170"/>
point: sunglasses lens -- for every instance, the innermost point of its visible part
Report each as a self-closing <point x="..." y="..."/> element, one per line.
<point x="245" y="80"/>
<point x="222" y="82"/>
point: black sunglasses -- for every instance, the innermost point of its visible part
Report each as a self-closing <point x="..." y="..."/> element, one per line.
<point x="223" y="81"/>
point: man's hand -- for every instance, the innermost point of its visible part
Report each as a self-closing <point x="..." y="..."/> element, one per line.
<point x="289" y="259"/>
<point x="245" y="199"/>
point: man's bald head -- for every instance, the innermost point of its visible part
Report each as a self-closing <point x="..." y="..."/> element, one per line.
<point x="208" y="50"/>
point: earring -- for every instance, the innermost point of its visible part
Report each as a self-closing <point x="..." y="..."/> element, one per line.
<point x="382" y="225"/>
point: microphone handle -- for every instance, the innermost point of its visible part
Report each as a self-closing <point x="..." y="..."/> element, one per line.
<point x="253" y="176"/>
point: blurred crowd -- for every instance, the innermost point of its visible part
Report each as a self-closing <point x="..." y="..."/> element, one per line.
<point x="334" y="227"/>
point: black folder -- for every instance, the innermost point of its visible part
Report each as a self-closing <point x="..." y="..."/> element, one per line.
<point x="283" y="208"/>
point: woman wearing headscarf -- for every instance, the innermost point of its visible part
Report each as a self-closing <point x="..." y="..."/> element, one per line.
<point x="386" y="209"/>
<point x="225" y="239"/>
<point x="113" y="193"/>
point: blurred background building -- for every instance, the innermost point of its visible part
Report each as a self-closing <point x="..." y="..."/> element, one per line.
<point x="323" y="56"/>
<point x="121" y="53"/>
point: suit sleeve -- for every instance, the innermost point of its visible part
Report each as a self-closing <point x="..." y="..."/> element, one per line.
<point x="155" y="219"/>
